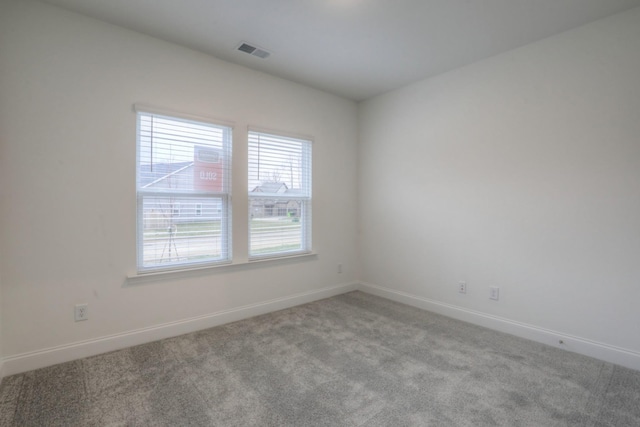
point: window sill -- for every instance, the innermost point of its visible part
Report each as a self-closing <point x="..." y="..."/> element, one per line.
<point x="157" y="276"/>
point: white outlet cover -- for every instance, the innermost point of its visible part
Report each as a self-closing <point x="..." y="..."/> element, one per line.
<point x="494" y="293"/>
<point x="81" y="312"/>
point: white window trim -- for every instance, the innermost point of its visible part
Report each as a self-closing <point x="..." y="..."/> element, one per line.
<point x="278" y="132"/>
<point x="226" y="231"/>
<point x="306" y="242"/>
<point x="176" y="273"/>
<point x="142" y="108"/>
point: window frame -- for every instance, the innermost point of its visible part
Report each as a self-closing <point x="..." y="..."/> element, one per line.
<point x="305" y="208"/>
<point x="224" y="196"/>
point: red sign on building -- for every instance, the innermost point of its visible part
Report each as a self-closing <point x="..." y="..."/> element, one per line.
<point x="208" y="174"/>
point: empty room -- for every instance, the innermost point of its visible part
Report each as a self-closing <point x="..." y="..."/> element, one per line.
<point x="323" y="212"/>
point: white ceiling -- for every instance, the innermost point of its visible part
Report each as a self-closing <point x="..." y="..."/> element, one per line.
<point x="353" y="48"/>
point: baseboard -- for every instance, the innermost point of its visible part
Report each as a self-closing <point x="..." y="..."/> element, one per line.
<point x="65" y="353"/>
<point x="38" y="359"/>
<point x="597" y="350"/>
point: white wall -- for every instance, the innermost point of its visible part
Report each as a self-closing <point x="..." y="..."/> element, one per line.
<point x="67" y="219"/>
<point x="522" y="172"/>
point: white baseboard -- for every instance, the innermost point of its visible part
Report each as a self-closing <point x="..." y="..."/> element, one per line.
<point x="65" y="353"/>
<point x="597" y="350"/>
<point x="38" y="359"/>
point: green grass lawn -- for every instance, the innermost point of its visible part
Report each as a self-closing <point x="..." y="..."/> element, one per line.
<point x="266" y="224"/>
<point x="190" y="229"/>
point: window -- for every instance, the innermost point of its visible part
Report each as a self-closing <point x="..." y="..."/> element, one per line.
<point x="183" y="190"/>
<point x="279" y="195"/>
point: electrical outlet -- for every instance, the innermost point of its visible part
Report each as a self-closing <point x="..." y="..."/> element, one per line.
<point x="339" y="268"/>
<point x="462" y="287"/>
<point x="494" y="293"/>
<point x="80" y="312"/>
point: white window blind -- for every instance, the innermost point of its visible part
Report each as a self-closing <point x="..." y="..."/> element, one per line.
<point x="183" y="189"/>
<point x="279" y="195"/>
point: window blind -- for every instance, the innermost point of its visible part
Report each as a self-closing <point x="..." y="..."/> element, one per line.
<point x="183" y="190"/>
<point x="279" y="195"/>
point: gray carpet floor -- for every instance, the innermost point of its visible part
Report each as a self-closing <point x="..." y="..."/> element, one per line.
<point x="351" y="360"/>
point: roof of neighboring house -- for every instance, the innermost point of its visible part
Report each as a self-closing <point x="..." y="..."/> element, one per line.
<point x="271" y="187"/>
<point x="159" y="173"/>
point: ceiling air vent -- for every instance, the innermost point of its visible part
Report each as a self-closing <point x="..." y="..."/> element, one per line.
<point x="252" y="50"/>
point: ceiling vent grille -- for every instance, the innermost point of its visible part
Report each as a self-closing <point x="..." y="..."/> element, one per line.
<point x="252" y="50"/>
